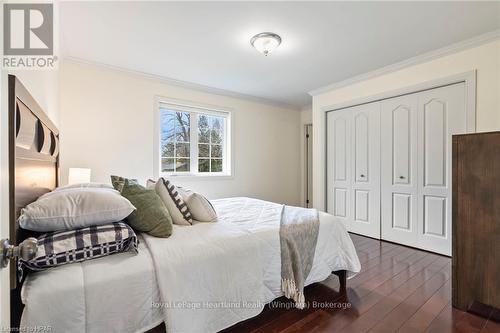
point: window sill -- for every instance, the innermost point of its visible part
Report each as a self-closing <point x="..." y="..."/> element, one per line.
<point x="197" y="176"/>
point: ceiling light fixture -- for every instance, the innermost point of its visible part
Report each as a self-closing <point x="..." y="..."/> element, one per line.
<point x="265" y="42"/>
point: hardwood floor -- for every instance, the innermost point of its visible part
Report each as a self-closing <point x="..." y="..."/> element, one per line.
<point x="399" y="289"/>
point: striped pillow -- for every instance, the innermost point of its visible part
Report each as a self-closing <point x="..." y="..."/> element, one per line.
<point x="201" y="209"/>
<point x="65" y="247"/>
<point x="175" y="204"/>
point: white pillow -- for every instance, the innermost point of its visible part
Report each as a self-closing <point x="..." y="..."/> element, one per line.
<point x="199" y="206"/>
<point x="74" y="208"/>
<point x="150" y="184"/>
<point x="176" y="206"/>
<point x="85" y="185"/>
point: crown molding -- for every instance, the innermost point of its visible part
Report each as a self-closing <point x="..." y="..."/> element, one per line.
<point x="454" y="48"/>
<point x="182" y="84"/>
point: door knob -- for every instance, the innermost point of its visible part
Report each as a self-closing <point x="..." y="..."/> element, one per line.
<point x="362" y="176"/>
<point x="401" y="177"/>
<point x="26" y="250"/>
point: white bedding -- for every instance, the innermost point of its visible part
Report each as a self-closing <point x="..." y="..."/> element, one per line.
<point x="235" y="263"/>
<point x="236" y="258"/>
<point x="109" y="294"/>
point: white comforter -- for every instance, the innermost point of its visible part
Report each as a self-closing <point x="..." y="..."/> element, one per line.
<point x="235" y="259"/>
<point x="108" y="294"/>
<point x="213" y="275"/>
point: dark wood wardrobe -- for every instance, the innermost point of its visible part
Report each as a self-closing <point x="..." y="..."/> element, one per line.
<point x="476" y="222"/>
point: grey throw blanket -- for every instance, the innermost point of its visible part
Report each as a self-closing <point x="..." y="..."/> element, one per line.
<point x="299" y="229"/>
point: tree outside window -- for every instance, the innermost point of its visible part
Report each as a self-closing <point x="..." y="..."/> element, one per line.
<point x="210" y="143"/>
<point x="192" y="142"/>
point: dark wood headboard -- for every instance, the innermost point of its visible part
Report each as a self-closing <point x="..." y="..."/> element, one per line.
<point x="33" y="159"/>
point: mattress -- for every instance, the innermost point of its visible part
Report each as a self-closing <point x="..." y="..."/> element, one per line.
<point x="110" y="294"/>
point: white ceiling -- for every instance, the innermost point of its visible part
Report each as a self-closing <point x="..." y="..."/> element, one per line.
<point x="207" y="43"/>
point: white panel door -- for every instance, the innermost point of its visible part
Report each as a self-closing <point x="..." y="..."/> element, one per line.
<point x="399" y="190"/>
<point x="338" y="165"/>
<point x="441" y="113"/>
<point x="365" y="163"/>
<point x="353" y="168"/>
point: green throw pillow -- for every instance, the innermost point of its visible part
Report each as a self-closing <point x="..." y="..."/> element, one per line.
<point x="151" y="215"/>
<point x="118" y="182"/>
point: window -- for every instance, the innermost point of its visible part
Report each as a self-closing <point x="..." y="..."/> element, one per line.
<point x="210" y="143"/>
<point x="193" y="141"/>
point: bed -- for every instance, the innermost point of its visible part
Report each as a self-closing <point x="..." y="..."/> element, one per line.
<point x="182" y="281"/>
<point x="120" y="293"/>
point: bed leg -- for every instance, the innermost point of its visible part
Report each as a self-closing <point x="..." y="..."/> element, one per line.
<point x="342" y="275"/>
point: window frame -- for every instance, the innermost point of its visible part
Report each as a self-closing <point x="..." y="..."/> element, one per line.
<point x="194" y="109"/>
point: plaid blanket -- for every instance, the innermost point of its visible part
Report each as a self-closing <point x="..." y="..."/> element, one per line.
<point x="65" y="247"/>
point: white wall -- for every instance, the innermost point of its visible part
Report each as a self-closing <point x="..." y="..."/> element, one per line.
<point x="305" y="119"/>
<point x="485" y="59"/>
<point x="107" y="125"/>
<point x="43" y="85"/>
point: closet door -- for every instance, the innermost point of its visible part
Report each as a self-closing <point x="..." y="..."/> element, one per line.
<point x="365" y="164"/>
<point x="399" y="190"/>
<point x="338" y="165"/>
<point x="353" y="167"/>
<point x="441" y="113"/>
